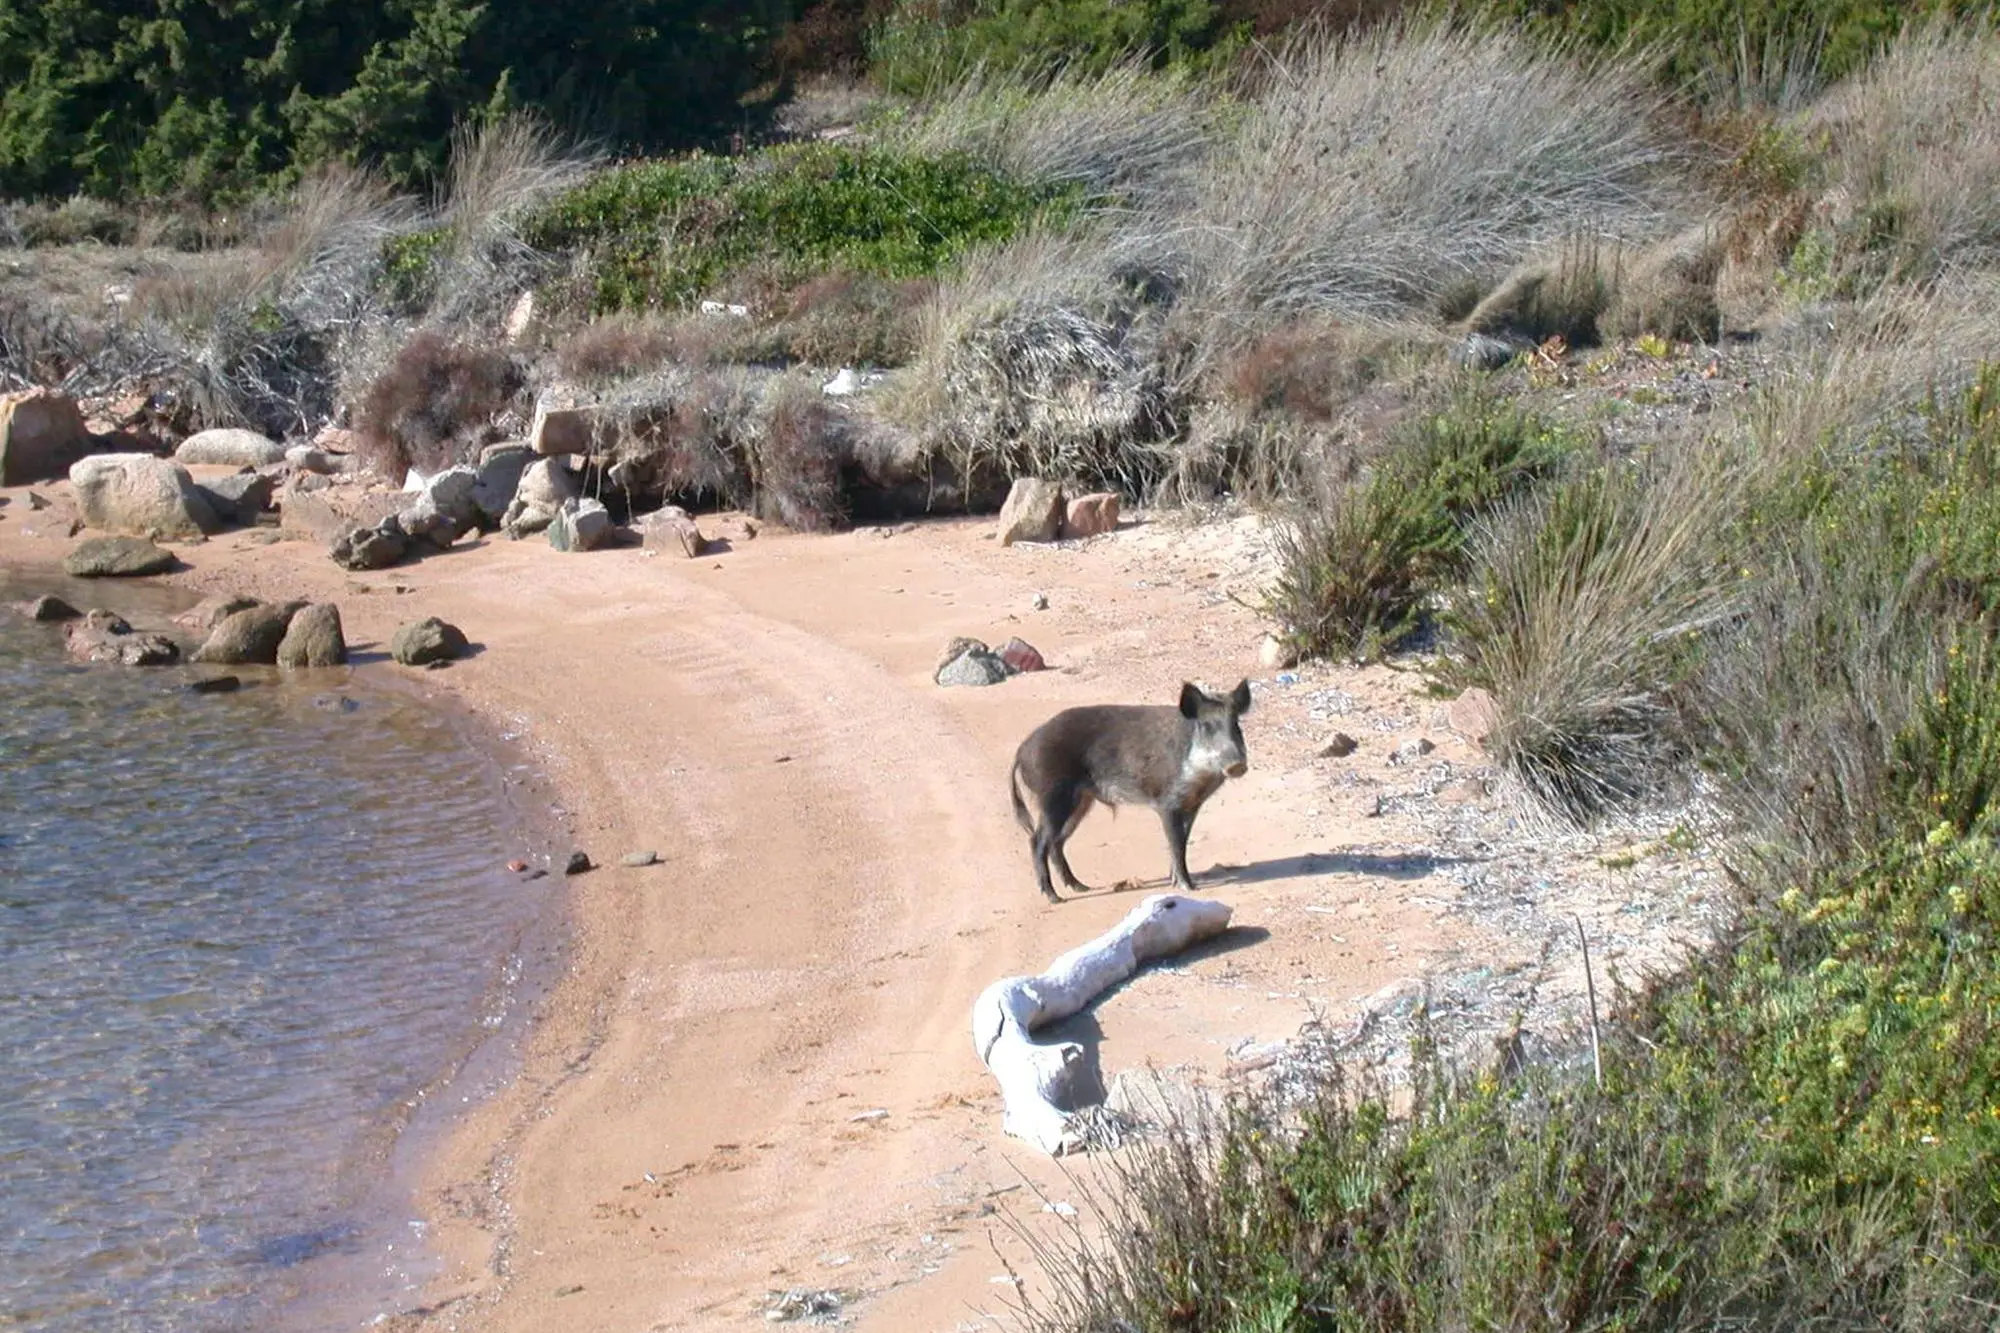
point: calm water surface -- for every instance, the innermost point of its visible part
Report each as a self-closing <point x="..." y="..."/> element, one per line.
<point x="241" y="936"/>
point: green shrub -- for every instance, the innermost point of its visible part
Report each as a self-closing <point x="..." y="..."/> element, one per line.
<point x="1798" y="1132"/>
<point x="1872" y="560"/>
<point x="663" y="233"/>
<point x="1358" y="573"/>
<point x="410" y="266"/>
<point x="110" y="100"/>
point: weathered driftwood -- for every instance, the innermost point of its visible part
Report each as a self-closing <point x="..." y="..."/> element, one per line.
<point x="1036" y="1077"/>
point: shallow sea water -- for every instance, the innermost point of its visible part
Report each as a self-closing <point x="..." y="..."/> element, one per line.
<point x="242" y="936"/>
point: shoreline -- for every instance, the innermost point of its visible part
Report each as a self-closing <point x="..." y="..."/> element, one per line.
<point x="359" y="1289"/>
<point x="754" y="1074"/>
<point x="353" y="1285"/>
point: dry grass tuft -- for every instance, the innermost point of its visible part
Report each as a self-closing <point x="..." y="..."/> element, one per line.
<point x="503" y="168"/>
<point x="324" y="249"/>
<point x="80" y="220"/>
<point x="1561" y="297"/>
<point x="687" y="434"/>
<point x="1670" y="290"/>
<point x="618" y="347"/>
<point x="1030" y="359"/>
<point x="1306" y="368"/>
<point x="1375" y="174"/>
<point x="1584" y="617"/>
<point x="848" y="319"/>
<point x="799" y="459"/>
<point x="1915" y="154"/>
<point x="1866" y="369"/>
<point x="433" y="406"/>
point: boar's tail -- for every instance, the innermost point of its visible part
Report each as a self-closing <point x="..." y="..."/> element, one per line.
<point x="1020" y="806"/>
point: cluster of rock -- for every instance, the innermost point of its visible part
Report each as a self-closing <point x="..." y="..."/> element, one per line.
<point x="516" y="492"/>
<point x="1036" y="510"/>
<point x="234" y="631"/>
<point x="241" y="631"/>
<point x="144" y="495"/>
<point x="970" y="662"/>
<point x="103" y="636"/>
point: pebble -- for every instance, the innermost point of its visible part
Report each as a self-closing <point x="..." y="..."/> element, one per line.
<point x="1411" y="751"/>
<point x="577" y="864"/>
<point x="1341" y="746"/>
<point x="639" y="858"/>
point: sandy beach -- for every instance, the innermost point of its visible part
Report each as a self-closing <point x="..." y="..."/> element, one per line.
<point x="756" y="1074"/>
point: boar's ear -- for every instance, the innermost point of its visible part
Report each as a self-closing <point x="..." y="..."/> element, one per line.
<point x="1239" y="698"/>
<point x="1190" y="700"/>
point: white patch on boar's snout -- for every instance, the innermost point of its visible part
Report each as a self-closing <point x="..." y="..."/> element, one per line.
<point x="1214" y="752"/>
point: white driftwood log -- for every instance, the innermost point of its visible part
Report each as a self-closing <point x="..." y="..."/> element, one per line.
<point x="1035" y="1076"/>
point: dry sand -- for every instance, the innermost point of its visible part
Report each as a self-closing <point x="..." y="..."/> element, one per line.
<point x="840" y="875"/>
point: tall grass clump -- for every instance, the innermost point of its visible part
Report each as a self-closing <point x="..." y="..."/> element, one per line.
<point x="1368" y="178"/>
<point x="467" y="256"/>
<point x="1040" y="357"/>
<point x="1912" y="162"/>
<point x="1586" y="610"/>
<point x="265" y="348"/>
<point x="1380" y="173"/>
<point x="1361" y="570"/>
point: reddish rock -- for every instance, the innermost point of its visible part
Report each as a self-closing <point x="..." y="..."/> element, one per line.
<point x="104" y="637"/>
<point x="1472" y="715"/>
<point x="1089" y="515"/>
<point x="1020" y="655"/>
